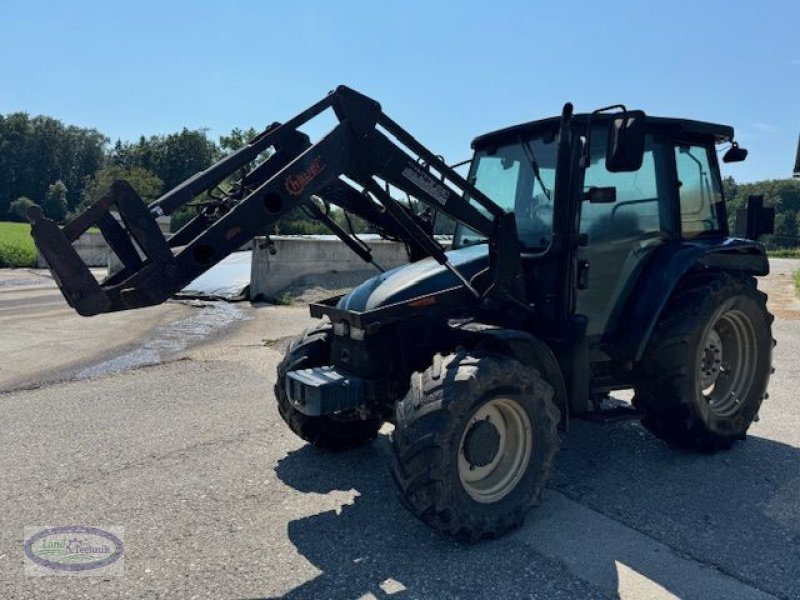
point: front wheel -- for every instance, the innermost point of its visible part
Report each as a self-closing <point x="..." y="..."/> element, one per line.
<point x="474" y="444"/>
<point x="706" y="368"/>
<point x="329" y="432"/>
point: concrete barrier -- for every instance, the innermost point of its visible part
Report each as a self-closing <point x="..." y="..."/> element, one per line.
<point x="318" y="260"/>
<point x="298" y="257"/>
<point x="115" y="264"/>
<point x="91" y="247"/>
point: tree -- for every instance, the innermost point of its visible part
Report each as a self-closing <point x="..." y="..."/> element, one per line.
<point x="37" y="151"/>
<point x="55" y="201"/>
<point x="729" y="188"/>
<point x="347" y="220"/>
<point x="146" y="184"/>
<point x="82" y="153"/>
<point x="19" y="209"/>
<point x="781" y="194"/>
<point x="236" y="139"/>
<point x="785" y="231"/>
<point x="172" y="158"/>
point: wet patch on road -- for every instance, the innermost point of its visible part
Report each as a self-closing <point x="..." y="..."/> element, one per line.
<point x="169" y="340"/>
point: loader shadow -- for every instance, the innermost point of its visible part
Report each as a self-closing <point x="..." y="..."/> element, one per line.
<point x="738" y="511"/>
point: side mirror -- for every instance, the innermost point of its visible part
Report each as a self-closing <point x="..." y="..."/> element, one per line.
<point x="734" y="154"/>
<point x="601" y="195"/>
<point x="626" y="134"/>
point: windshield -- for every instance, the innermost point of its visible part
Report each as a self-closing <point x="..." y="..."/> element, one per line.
<point x="519" y="176"/>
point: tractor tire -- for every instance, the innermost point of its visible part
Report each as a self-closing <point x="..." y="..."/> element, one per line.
<point x="474" y="443"/>
<point x="329" y="432"/>
<point x="705" y="370"/>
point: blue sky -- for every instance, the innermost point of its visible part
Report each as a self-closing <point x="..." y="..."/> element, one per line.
<point x="447" y="71"/>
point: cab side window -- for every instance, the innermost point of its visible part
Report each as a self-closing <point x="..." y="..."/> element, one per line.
<point x="636" y="211"/>
<point x="699" y="191"/>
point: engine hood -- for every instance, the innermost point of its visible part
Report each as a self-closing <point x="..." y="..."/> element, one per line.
<point x="416" y="279"/>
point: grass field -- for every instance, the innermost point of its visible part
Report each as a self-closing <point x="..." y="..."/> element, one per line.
<point x="16" y="245"/>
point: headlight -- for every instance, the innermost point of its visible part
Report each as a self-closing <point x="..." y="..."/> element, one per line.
<point x="341" y="328"/>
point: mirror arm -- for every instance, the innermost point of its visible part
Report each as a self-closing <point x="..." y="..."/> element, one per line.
<point x="461" y="164"/>
<point x="584" y="160"/>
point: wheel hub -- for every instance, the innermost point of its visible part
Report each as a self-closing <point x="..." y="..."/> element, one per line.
<point x="727" y="362"/>
<point x="481" y="443"/>
<point x="495" y="450"/>
<point x="710" y="360"/>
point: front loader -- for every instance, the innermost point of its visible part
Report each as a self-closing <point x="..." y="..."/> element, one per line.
<point x="591" y="253"/>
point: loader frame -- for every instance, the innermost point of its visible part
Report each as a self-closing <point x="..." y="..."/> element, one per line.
<point x="365" y="150"/>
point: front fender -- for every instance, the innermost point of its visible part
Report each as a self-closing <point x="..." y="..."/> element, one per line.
<point x="669" y="264"/>
<point x="524" y="347"/>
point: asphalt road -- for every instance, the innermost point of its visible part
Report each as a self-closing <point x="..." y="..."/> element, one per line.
<point x="219" y="500"/>
<point x="42" y="340"/>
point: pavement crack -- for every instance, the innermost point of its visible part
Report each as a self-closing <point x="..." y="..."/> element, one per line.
<point x="280" y="343"/>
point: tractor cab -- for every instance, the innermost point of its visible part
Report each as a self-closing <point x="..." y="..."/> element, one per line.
<point x="670" y="190"/>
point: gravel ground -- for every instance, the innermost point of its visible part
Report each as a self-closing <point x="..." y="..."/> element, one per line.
<point x="319" y="287"/>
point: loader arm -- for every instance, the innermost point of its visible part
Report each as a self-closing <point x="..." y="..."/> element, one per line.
<point x="357" y="152"/>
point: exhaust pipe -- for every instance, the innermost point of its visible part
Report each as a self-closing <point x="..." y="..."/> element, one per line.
<point x="796" y="174"/>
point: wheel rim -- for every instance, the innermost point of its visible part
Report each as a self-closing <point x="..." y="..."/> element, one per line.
<point x="727" y="360"/>
<point x="493" y="481"/>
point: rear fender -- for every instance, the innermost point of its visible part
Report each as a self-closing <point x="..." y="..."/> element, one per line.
<point x="670" y="263"/>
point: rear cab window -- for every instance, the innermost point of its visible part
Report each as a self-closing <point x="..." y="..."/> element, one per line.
<point x="699" y="191"/>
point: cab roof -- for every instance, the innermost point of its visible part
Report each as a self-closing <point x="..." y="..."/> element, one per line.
<point x="670" y="126"/>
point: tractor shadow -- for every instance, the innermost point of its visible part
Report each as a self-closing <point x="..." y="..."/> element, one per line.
<point x="738" y="511"/>
<point x="374" y="548"/>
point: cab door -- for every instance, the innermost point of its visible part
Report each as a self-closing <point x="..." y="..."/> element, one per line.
<point x="621" y="234"/>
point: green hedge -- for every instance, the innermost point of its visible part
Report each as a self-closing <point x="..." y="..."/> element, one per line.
<point x="785" y="253"/>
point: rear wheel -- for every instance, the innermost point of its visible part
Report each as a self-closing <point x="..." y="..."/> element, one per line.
<point x="474" y="444"/>
<point x="331" y="432"/>
<point x="706" y="369"/>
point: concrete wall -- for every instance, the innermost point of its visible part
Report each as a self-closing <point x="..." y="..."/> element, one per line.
<point x="91" y="247"/>
<point x="297" y="257"/>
